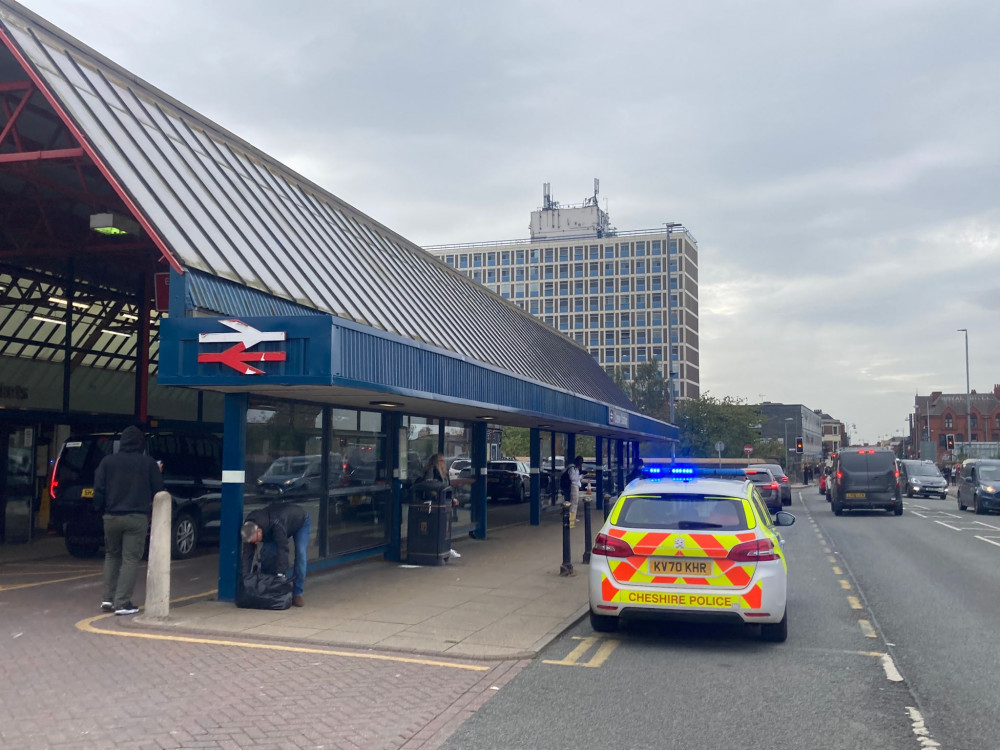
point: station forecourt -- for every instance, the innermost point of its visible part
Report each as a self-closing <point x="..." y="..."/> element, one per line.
<point x="157" y="269"/>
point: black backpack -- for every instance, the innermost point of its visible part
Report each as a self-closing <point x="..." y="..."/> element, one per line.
<point x="564" y="481"/>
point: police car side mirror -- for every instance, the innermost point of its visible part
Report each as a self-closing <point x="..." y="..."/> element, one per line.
<point x="784" y="518"/>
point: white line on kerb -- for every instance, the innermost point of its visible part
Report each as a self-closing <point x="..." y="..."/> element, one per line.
<point x="988" y="540"/>
<point x="920" y="728"/>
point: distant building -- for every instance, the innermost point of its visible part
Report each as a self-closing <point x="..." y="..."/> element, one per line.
<point x="939" y="415"/>
<point x="834" y="434"/>
<point x="628" y="297"/>
<point x="787" y="423"/>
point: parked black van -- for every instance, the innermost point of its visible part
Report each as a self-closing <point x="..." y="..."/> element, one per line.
<point x="192" y="474"/>
<point x="866" y="479"/>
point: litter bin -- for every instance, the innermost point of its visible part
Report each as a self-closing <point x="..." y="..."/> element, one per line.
<point x="428" y="533"/>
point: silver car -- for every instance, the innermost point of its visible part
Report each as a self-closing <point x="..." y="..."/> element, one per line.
<point x="922" y="478"/>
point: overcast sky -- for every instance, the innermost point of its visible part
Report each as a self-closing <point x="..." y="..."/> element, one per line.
<point x="838" y="162"/>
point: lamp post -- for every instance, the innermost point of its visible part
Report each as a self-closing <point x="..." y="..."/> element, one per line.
<point x="787" y="420"/>
<point x="968" y="401"/>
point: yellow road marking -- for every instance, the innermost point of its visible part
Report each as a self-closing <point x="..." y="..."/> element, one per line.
<point x="854" y="602"/>
<point x="837" y="571"/>
<point x="845" y="585"/>
<point x="867" y="629"/>
<point x="573" y="658"/>
<point x="15" y="586"/>
<point x="832" y="559"/>
<point x="826" y="550"/>
<point x="86" y="625"/>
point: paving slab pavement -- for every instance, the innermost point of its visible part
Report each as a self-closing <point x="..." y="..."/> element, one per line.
<point x="504" y="598"/>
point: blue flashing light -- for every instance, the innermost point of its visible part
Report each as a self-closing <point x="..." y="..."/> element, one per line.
<point x="682" y="472"/>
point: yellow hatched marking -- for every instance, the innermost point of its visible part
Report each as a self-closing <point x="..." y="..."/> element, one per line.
<point x="826" y="550"/>
<point x="832" y="559"/>
<point x="586" y="643"/>
<point x="837" y="571"/>
<point x="854" y="602"/>
<point x="867" y="629"/>
<point x="845" y="585"/>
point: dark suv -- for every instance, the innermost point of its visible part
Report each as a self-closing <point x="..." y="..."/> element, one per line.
<point x="192" y="474"/>
<point x="979" y="485"/>
<point x="866" y="478"/>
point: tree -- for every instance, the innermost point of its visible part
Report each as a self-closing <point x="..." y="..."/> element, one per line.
<point x="705" y="420"/>
<point x="647" y="390"/>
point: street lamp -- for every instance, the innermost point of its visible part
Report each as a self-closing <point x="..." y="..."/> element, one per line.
<point x="968" y="402"/>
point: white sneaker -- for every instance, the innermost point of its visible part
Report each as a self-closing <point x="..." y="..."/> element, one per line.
<point x="453" y="553"/>
<point x="107" y="607"/>
<point x="128" y="609"/>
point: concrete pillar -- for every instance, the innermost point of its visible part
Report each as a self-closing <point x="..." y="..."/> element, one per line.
<point x="158" y="567"/>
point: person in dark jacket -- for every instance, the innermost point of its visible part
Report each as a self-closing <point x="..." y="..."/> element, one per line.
<point x="124" y="485"/>
<point x="272" y="527"/>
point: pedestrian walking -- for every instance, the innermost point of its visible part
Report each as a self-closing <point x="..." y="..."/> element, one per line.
<point x="124" y="485"/>
<point x="575" y="475"/>
<point x="272" y="527"/>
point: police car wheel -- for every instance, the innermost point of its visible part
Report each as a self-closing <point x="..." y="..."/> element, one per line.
<point x="775" y="632"/>
<point x="603" y="623"/>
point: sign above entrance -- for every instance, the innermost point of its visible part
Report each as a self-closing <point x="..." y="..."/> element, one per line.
<point x="243" y="337"/>
<point x="617" y="417"/>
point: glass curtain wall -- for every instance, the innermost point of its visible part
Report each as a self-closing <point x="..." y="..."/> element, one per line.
<point x="348" y="486"/>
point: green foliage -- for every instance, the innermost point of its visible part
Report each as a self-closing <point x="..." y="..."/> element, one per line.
<point x="706" y="420"/>
<point x="516" y="442"/>
<point x="647" y="390"/>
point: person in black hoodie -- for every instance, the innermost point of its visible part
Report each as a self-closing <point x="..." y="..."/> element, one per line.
<point x="272" y="527"/>
<point x="124" y="485"/>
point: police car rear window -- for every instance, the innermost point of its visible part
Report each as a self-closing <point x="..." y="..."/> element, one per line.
<point x="677" y="511"/>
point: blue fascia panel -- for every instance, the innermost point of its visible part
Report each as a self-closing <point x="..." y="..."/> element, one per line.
<point x="325" y="350"/>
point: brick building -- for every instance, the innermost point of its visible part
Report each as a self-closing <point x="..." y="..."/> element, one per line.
<point x="941" y="414"/>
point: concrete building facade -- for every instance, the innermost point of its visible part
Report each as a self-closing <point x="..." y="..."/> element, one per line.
<point x="628" y="297"/>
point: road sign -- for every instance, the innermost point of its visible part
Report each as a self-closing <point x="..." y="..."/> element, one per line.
<point x="748" y="449"/>
<point x="720" y="446"/>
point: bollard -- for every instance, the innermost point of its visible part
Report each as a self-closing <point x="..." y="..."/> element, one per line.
<point x="158" y="566"/>
<point x="586" y="529"/>
<point x="566" y="569"/>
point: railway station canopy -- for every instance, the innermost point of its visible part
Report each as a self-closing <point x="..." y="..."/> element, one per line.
<point x="130" y="225"/>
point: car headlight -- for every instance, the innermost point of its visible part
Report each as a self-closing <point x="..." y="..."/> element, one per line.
<point x="991" y="488"/>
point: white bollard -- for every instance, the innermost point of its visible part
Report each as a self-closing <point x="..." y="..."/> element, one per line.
<point x="158" y="568"/>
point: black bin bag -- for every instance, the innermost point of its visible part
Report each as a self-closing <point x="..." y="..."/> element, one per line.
<point x="256" y="589"/>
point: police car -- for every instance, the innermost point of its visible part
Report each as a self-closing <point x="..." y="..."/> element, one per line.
<point x="691" y="544"/>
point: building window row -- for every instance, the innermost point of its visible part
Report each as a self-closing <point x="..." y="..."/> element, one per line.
<point x="557" y="254"/>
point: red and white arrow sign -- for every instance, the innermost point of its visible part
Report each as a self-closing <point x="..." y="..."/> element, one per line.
<point x="238" y="358"/>
<point x="245" y="334"/>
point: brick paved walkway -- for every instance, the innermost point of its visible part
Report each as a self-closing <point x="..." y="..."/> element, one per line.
<point x="62" y="687"/>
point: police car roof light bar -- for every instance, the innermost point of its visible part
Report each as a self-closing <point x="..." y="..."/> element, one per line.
<point x="675" y="471"/>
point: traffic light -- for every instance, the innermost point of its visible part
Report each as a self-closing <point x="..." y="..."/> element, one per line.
<point x="798" y="445"/>
<point x="951" y="442"/>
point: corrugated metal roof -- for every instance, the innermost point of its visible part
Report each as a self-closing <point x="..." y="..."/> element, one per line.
<point x="222" y="207"/>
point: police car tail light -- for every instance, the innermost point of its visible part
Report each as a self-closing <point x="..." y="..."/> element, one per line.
<point x="610" y="546"/>
<point x="756" y="550"/>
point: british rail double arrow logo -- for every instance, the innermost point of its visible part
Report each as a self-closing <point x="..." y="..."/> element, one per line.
<point x="244" y="337"/>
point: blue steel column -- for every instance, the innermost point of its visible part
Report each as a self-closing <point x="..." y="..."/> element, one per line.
<point x="599" y="461"/>
<point x="620" y="460"/>
<point x="570" y="448"/>
<point x="395" y="460"/>
<point x="535" y="446"/>
<point x="479" y="472"/>
<point x="234" y="440"/>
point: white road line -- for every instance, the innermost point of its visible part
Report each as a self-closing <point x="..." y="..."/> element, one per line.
<point x="890" y="669"/>
<point x="919" y="728"/>
<point x="988" y="540"/>
<point x="987" y="525"/>
<point x="954" y="528"/>
<point x="951" y="515"/>
<point x="918" y="514"/>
